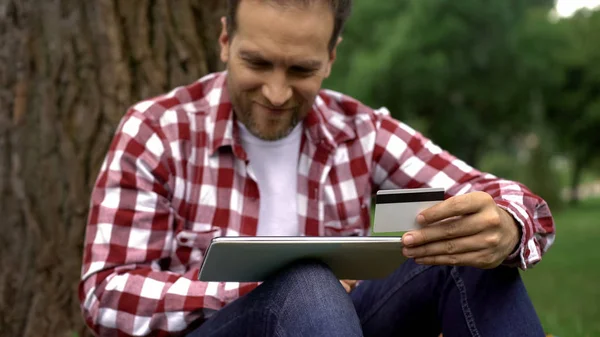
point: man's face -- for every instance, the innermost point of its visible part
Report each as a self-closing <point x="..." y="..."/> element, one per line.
<point x="276" y="62"/>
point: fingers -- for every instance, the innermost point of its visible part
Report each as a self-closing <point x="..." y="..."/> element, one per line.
<point x="466" y="230"/>
<point x="447" y="247"/>
<point x="348" y="284"/>
<point x="351" y="283"/>
<point x="445" y="230"/>
<point x="456" y="206"/>
<point x="483" y="259"/>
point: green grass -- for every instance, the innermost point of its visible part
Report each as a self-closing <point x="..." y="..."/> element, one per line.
<point x="565" y="286"/>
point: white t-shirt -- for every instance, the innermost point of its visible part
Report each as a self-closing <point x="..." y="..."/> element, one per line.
<point x="275" y="166"/>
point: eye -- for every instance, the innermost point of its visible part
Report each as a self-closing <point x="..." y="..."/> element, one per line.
<point x="302" y="70"/>
<point x="258" y="64"/>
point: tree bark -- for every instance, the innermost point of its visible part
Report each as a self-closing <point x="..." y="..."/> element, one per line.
<point x="69" y="69"/>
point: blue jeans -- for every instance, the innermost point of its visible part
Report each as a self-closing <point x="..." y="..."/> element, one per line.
<point x="306" y="299"/>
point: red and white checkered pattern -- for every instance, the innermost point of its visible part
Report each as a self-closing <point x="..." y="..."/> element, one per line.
<point x="176" y="176"/>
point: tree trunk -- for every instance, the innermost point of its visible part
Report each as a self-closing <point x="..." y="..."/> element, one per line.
<point x="69" y="69"/>
<point x="576" y="181"/>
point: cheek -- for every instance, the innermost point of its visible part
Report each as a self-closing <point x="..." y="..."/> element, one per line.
<point x="308" y="89"/>
<point x="245" y="80"/>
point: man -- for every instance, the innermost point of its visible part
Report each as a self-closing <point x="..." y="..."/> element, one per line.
<point x="262" y="150"/>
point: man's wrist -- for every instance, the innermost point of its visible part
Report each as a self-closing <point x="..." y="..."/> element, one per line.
<point x="517" y="232"/>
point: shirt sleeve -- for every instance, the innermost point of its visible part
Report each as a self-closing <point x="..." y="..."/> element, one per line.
<point x="404" y="158"/>
<point x="125" y="288"/>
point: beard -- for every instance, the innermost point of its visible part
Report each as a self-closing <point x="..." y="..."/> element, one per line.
<point x="261" y="124"/>
<point x="274" y="128"/>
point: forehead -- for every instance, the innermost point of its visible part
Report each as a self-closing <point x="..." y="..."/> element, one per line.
<point x="292" y="30"/>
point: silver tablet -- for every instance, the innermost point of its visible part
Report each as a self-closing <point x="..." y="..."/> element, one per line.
<point x="254" y="259"/>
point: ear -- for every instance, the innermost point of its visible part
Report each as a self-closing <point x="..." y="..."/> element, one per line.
<point x="332" y="57"/>
<point x="224" y="41"/>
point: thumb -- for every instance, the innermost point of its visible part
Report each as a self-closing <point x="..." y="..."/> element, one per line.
<point x="346" y="286"/>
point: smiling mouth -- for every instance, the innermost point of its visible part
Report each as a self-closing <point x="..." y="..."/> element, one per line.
<point x="275" y="110"/>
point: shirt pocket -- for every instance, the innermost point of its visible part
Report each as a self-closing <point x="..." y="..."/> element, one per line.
<point x="192" y="246"/>
<point x="344" y="228"/>
<point x="354" y="222"/>
<point x="196" y="239"/>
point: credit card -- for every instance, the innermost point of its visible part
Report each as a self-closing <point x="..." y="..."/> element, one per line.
<point x="396" y="210"/>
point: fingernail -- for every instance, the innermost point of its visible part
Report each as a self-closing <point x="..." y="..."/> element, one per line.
<point x="420" y="219"/>
<point x="408" y="253"/>
<point x="408" y="239"/>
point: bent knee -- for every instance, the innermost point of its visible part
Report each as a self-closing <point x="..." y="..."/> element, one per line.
<point x="305" y="281"/>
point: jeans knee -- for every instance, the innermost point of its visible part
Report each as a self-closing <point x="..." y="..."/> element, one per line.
<point x="308" y="271"/>
<point x="307" y="297"/>
<point x="305" y="283"/>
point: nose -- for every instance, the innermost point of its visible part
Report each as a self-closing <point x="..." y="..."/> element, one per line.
<point x="277" y="89"/>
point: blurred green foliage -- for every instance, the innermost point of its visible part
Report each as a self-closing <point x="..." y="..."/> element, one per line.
<point x="564" y="286"/>
<point x="483" y="79"/>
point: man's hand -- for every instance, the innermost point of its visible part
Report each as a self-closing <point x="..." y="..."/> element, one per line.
<point x="348" y="285"/>
<point x="466" y="230"/>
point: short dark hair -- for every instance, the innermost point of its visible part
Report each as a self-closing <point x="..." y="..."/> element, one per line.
<point x="341" y="10"/>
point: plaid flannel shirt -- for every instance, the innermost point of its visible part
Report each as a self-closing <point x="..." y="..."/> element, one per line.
<point x="176" y="176"/>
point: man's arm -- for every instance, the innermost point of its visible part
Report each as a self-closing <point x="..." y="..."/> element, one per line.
<point x="403" y="158"/>
<point x="125" y="288"/>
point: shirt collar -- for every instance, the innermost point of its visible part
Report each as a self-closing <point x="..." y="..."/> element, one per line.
<point x="325" y="125"/>
<point x="225" y="131"/>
